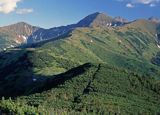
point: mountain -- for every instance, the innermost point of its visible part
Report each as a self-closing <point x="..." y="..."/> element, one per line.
<point x="96" y="19"/>
<point x="101" y="20"/>
<point x="20" y="29"/>
<point x="154" y="19"/>
<point x="22" y="32"/>
<point x="120" y="20"/>
<point x="15" y="34"/>
<point x="129" y="47"/>
<point x="91" y="69"/>
<point x="93" y="20"/>
<point x="46" y="34"/>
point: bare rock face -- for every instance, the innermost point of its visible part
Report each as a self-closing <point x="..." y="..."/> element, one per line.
<point x="19" y="31"/>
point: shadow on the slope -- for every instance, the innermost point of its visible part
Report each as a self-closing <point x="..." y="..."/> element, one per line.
<point x="54" y="81"/>
<point x="17" y="77"/>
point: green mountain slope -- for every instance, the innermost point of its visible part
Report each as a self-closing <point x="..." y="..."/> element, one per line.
<point x="6" y="41"/>
<point x="132" y="49"/>
<point x="92" y="89"/>
<point x="88" y="70"/>
<point x="129" y="48"/>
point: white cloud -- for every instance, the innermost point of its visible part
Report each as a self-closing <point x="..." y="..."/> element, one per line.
<point x="24" y="11"/>
<point x="7" y="6"/>
<point x="146" y="1"/>
<point x="152" y="5"/>
<point x="129" y="5"/>
<point x="132" y="3"/>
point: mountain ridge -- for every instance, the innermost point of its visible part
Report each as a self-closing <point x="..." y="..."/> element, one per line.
<point x="35" y="34"/>
<point x="97" y="19"/>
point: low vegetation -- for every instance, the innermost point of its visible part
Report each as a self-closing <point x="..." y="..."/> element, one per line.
<point x="97" y="89"/>
<point x="90" y="71"/>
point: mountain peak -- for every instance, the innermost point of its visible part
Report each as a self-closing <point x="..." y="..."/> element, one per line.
<point x="95" y="19"/>
<point x="96" y="13"/>
<point x="17" y="24"/>
<point x="154" y="19"/>
<point x="21" y="28"/>
<point x="22" y="24"/>
<point x="19" y="31"/>
<point x="121" y="19"/>
<point x="99" y="19"/>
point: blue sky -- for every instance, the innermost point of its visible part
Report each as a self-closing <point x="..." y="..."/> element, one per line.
<point x="51" y="13"/>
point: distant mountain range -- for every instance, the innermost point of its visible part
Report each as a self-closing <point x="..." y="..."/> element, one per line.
<point x="19" y="33"/>
<point x="93" y="20"/>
